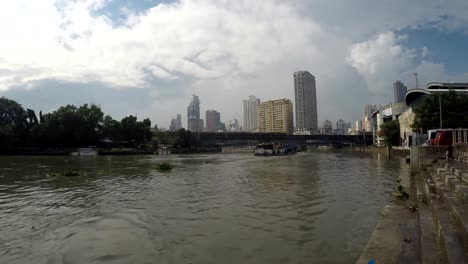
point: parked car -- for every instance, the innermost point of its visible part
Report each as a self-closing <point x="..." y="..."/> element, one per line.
<point x="431" y="135"/>
<point x="444" y="138"/>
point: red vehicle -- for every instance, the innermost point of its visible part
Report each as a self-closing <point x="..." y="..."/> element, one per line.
<point x="444" y="138"/>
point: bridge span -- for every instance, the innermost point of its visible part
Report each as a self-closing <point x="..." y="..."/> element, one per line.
<point x="245" y="139"/>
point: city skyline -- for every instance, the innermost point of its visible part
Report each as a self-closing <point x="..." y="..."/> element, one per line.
<point x="113" y="54"/>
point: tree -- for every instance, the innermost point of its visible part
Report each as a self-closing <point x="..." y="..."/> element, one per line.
<point x="137" y="132"/>
<point x="454" y="112"/>
<point x="111" y="129"/>
<point x="185" y="139"/>
<point x="13" y="124"/>
<point x="391" y="133"/>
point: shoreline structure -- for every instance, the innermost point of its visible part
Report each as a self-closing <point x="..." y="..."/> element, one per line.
<point x="432" y="225"/>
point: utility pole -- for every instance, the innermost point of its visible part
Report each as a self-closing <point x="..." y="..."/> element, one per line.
<point x="440" y="110"/>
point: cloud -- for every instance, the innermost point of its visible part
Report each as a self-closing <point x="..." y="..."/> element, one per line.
<point x="381" y="60"/>
<point x="425" y="52"/>
<point x="222" y="50"/>
<point x="200" y="39"/>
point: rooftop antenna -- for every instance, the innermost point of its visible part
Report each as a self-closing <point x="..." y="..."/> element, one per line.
<point x="416" y="77"/>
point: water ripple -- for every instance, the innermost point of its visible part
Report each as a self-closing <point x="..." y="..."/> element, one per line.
<point x="311" y="207"/>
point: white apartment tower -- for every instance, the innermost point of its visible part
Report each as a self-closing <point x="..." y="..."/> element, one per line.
<point x="250" y="114"/>
<point x="306" y="101"/>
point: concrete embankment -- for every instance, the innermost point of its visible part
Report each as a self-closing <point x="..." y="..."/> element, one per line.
<point x="432" y="226"/>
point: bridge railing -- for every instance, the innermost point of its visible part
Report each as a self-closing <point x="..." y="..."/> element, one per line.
<point x="460" y="136"/>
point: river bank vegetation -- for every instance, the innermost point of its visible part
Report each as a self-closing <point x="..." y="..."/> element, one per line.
<point x="67" y="127"/>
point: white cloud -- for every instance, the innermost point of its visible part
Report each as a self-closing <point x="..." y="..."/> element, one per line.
<point x="222" y="50"/>
<point x="381" y="60"/>
<point x="425" y="52"/>
<point x="200" y="39"/>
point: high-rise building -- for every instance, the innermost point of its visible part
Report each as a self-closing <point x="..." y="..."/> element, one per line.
<point x="370" y="109"/>
<point x="341" y="127"/>
<point x="305" y="93"/>
<point x="233" y="125"/>
<point x="213" y="121"/>
<point x="275" y="116"/>
<point x="176" y="123"/>
<point x="194" y="123"/>
<point x="399" y="90"/>
<point x="250" y="113"/>
<point x="327" y="127"/>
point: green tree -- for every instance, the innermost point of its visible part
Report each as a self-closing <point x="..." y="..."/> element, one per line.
<point x="136" y="132"/>
<point x="13" y="124"/>
<point x="391" y="133"/>
<point x="454" y="112"/>
<point x="185" y="139"/>
<point x="111" y="129"/>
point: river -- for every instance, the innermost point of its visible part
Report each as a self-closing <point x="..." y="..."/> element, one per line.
<point x="306" y="208"/>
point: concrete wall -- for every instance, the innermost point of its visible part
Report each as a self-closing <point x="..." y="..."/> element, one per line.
<point x="459" y="148"/>
<point x="422" y="157"/>
<point x="406" y="119"/>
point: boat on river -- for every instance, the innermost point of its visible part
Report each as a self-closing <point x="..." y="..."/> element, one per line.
<point x="274" y="149"/>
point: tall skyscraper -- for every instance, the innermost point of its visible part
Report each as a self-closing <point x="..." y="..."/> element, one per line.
<point x="275" y="116"/>
<point x="399" y="90"/>
<point x="176" y="123"/>
<point x="250" y="113"/>
<point x="194" y="123"/>
<point x="305" y="93"/>
<point x="213" y="121"/>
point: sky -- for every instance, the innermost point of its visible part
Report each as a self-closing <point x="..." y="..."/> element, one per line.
<point x="148" y="57"/>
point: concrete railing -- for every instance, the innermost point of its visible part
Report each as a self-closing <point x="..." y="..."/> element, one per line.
<point x="460" y="136"/>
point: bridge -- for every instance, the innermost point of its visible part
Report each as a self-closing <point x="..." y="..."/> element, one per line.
<point x="246" y="139"/>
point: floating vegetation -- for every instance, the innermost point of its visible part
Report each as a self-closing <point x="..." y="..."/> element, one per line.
<point x="72" y="173"/>
<point x="164" y="167"/>
<point x="68" y="173"/>
<point x="401" y="194"/>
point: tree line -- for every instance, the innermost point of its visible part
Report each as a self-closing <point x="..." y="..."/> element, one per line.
<point x="68" y="126"/>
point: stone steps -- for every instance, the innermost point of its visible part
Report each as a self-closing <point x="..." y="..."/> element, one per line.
<point x="429" y="249"/>
<point x="448" y="198"/>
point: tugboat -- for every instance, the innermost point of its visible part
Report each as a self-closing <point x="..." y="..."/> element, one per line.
<point x="274" y="149"/>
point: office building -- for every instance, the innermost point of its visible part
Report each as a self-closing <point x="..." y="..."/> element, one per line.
<point x="341" y="127"/>
<point x="370" y="109"/>
<point x="194" y="123"/>
<point x="306" y="101"/>
<point x="233" y="125"/>
<point x="399" y="90"/>
<point x="327" y="128"/>
<point x="250" y="113"/>
<point x="213" y="121"/>
<point x="176" y="123"/>
<point x="275" y="116"/>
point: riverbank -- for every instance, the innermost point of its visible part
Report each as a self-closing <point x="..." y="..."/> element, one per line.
<point x="432" y="225"/>
<point x="395" y="238"/>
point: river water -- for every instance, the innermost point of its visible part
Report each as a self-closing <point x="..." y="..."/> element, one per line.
<point x="306" y="208"/>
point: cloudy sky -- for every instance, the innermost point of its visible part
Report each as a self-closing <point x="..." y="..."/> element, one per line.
<point x="148" y="56"/>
